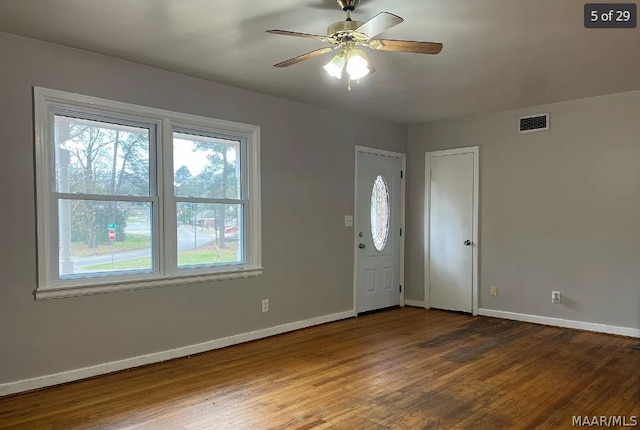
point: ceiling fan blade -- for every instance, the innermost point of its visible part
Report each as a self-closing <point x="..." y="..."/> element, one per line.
<point x="295" y="33"/>
<point x="406" y="46"/>
<point x="379" y="23"/>
<point x="303" y="57"/>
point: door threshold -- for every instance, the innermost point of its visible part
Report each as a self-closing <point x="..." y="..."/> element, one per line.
<point x="453" y="311"/>
<point x="375" y="311"/>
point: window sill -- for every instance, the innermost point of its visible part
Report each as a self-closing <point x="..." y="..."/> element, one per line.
<point x="89" y="290"/>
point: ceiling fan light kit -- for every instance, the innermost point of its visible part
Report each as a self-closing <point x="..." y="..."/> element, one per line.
<point x="349" y="36"/>
<point x="336" y="66"/>
<point x="358" y="65"/>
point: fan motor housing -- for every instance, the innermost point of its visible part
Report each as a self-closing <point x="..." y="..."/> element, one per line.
<point x="340" y="29"/>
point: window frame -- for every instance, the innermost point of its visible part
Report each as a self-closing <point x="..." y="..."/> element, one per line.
<point x="165" y="272"/>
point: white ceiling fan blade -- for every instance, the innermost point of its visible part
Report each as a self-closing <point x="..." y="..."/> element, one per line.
<point x="379" y="23"/>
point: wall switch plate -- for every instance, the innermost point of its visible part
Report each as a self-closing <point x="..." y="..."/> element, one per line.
<point x="494" y="290"/>
<point x="348" y="220"/>
<point x="265" y="305"/>
<point x="555" y="297"/>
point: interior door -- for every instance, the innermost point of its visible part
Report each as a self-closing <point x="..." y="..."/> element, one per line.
<point x="378" y="231"/>
<point x="451" y="231"/>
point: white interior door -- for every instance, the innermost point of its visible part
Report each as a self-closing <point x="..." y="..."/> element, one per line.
<point x="451" y="230"/>
<point x="377" y="226"/>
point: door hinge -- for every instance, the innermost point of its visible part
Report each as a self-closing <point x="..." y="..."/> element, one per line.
<point x="401" y="174"/>
<point x="400" y="288"/>
<point x="400" y="232"/>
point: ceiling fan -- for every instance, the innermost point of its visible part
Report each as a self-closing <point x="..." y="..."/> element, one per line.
<point x="349" y="36"/>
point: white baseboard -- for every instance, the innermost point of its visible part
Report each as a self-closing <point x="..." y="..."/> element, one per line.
<point x="559" y="322"/>
<point x="101" y="369"/>
<point x="415" y="303"/>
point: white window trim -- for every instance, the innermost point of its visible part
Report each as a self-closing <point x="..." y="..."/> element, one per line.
<point x="49" y="287"/>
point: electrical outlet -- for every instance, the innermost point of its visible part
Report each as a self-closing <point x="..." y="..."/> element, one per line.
<point x="494" y="291"/>
<point x="265" y="305"/>
<point x="555" y="297"/>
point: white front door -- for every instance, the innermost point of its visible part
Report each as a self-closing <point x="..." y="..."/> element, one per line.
<point x="451" y="206"/>
<point x="377" y="230"/>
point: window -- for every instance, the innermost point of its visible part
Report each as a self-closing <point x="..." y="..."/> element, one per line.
<point x="380" y="213"/>
<point x="132" y="197"/>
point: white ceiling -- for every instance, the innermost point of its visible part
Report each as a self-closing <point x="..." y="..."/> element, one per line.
<point x="498" y="54"/>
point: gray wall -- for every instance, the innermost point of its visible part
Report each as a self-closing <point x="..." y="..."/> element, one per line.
<point x="559" y="210"/>
<point x="307" y="188"/>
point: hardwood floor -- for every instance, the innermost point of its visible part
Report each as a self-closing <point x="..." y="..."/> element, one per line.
<point x="400" y="369"/>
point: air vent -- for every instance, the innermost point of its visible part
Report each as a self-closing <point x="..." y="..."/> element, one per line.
<point x="531" y="123"/>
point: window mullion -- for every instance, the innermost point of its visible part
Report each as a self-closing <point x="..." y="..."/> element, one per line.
<point x="155" y="188"/>
<point x="169" y="230"/>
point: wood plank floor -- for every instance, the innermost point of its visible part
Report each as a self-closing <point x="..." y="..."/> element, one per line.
<point x="400" y="369"/>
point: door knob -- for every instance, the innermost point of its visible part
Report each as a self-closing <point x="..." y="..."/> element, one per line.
<point x="467" y="242"/>
<point x="362" y="246"/>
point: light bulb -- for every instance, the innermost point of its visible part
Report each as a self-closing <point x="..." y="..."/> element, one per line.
<point x="335" y="66"/>
<point x="357" y="65"/>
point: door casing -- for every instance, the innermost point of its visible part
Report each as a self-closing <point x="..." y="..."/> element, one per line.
<point x="475" y="150"/>
<point x="403" y="158"/>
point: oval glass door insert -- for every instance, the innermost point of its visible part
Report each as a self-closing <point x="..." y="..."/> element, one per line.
<point x="380" y="213"/>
